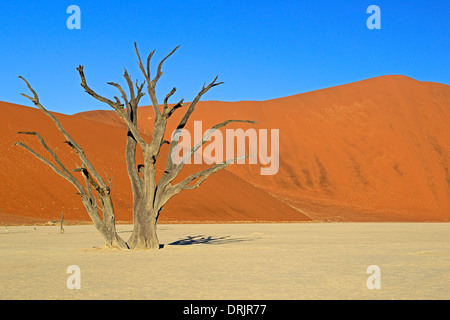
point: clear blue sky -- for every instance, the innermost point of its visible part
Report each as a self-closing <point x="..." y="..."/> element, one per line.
<point x="260" y="49"/>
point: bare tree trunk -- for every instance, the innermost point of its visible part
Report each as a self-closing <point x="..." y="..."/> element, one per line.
<point x="144" y="234"/>
<point x="109" y="227"/>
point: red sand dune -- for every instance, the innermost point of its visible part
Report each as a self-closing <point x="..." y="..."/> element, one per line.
<point x="30" y="192"/>
<point x="373" y="150"/>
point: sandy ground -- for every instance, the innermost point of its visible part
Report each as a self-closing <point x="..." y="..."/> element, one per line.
<point x="231" y="261"/>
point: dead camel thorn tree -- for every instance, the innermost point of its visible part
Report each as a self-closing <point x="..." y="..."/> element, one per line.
<point x="149" y="195"/>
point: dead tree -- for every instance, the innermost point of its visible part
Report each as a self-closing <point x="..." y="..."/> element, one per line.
<point x="149" y="195"/>
<point x="61" y="226"/>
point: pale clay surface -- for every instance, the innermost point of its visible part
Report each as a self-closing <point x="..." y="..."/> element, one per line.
<point x="231" y="261"/>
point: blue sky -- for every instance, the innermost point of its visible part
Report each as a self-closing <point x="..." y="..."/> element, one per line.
<point x="260" y="49"/>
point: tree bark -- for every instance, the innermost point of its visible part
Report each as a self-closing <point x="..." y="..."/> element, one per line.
<point x="144" y="234"/>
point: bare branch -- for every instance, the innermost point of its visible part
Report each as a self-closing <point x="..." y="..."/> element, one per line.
<point x="93" y="201"/>
<point x="172" y="169"/>
<point x="80" y="152"/>
<point x="130" y="84"/>
<point x="92" y="92"/>
<point x="51" y="165"/>
<point x="35" y="98"/>
<point x="117" y="106"/>
<point x="103" y="191"/>
<point x="107" y="178"/>
<point x="140" y="94"/>
<point x="203" y="175"/>
<point x="91" y="209"/>
<point x="124" y="95"/>
<point x="166" y="99"/>
<point x="141" y="66"/>
<point x="175" y="107"/>
<point x="159" y="73"/>
<point x="170" y="173"/>
<point x="68" y="177"/>
<point x="170" y="191"/>
<point x="184" y="185"/>
<point x="72" y="179"/>
<point x="193" y="104"/>
<point x="151" y="84"/>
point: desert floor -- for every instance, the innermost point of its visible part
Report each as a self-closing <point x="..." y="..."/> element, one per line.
<point x="231" y="261"/>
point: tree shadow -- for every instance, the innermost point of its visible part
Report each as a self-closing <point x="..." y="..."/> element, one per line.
<point x="202" y="239"/>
